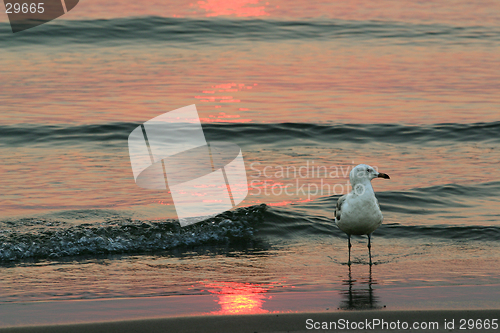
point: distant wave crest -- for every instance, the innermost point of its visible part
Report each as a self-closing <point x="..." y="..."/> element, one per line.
<point x="122" y="31"/>
<point x="117" y="133"/>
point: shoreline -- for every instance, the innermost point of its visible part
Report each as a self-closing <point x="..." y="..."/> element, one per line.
<point x="375" y="321"/>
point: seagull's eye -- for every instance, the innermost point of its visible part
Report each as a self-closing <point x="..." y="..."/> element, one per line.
<point x="368" y="170"/>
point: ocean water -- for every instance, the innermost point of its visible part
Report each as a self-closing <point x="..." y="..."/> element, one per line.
<point x="308" y="91"/>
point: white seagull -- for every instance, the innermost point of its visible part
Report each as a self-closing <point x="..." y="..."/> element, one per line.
<point x="358" y="212"/>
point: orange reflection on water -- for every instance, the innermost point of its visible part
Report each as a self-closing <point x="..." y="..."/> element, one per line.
<point x="239" y="298"/>
<point x="223" y="117"/>
<point x="240" y="8"/>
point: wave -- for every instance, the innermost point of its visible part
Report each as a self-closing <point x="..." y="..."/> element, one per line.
<point x="31" y="134"/>
<point x="116" y="134"/>
<point x="35" y="238"/>
<point x="357" y="133"/>
<point x="53" y="240"/>
<point x="285" y="224"/>
<point x="439" y="198"/>
<point x="314" y="219"/>
<point x="123" y="31"/>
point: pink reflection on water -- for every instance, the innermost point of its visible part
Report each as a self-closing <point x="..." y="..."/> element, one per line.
<point x="222" y="119"/>
<point x="239" y="8"/>
<point x="239" y="298"/>
<point x="226" y="100"/>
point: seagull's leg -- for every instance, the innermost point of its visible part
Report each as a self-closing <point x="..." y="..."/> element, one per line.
<point x="370" y="248"/>
<point x="349" y="245"/>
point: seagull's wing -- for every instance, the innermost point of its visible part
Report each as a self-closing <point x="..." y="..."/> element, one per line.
<point x="338" y="209"/>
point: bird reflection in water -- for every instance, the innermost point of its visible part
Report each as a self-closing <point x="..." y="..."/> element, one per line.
<point x="359" y="295"/>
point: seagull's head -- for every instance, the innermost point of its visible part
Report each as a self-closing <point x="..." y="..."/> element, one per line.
<point x="363" y="172"/>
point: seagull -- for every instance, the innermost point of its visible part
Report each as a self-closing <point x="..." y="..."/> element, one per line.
<point x="358" y="212"/>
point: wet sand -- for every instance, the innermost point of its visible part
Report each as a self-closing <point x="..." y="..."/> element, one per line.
<point x="465" y="307"/>
<point x="377" y="321"/>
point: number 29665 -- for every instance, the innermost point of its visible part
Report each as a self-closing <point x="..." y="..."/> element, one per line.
<point x="24" y="8"/>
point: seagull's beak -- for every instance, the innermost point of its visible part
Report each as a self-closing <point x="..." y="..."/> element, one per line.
<point x="383" y="175"/>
